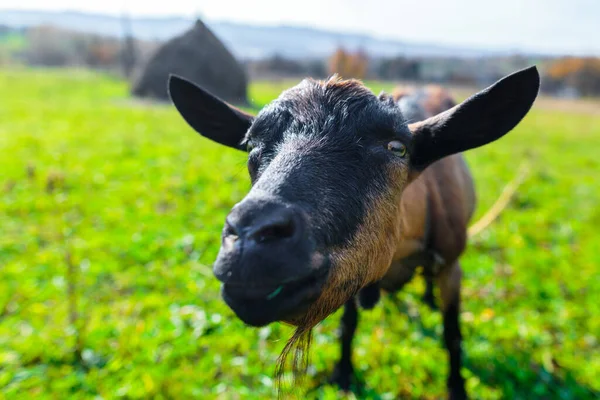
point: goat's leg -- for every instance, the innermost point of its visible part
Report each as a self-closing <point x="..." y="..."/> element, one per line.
<point x="432" y="267"/>
<point x="428" y="297"/>
<point x="344" y="371"/>
<point x="449" y="283"/>
<point x="368" y="297"/>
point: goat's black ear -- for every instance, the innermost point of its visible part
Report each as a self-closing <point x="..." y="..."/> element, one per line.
<point x="210" y="116"/>
<point x="481" y="119"/>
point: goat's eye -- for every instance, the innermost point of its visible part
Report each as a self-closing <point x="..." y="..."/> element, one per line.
<point x="397" y="147"/>
<point x="249" y="147"/>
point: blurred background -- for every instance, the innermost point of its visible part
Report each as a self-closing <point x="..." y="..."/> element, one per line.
<point x="111" y="207"/>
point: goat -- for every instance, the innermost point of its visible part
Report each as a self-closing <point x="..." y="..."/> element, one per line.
<point x="348" y="197"/>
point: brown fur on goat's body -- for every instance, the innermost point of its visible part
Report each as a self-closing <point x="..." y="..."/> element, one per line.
<point x="435" y="208"/>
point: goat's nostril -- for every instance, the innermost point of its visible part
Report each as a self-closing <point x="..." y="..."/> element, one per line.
<point x="261" y="220"/>
<point x="274" y="231"/>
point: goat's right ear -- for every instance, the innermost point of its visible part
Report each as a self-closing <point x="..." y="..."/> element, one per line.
<point x="479" y="120"/>
<point x="207" y="114"/>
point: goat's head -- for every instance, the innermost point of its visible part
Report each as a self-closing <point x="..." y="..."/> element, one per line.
<point x="328" y="161"/>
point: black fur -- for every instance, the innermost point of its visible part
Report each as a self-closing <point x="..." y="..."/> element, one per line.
<point x="208" y="114"/>
<point x="369" y="296"/>
<point x="453" y="342"/>
<point x="481" y="119"/>
<point x="428" y="296"/>
<point x="325" y="149"/>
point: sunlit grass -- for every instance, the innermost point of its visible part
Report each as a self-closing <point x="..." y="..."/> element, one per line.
<point x="131" y="202"/>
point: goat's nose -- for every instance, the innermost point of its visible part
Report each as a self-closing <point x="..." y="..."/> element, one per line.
<point x="266" y="242"/>
<point x="263" y="221"/>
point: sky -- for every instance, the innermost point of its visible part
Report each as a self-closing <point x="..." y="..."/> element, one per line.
<point x="535" y="25"/>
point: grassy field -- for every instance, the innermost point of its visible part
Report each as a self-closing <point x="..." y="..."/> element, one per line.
<point x="110" y="215"/>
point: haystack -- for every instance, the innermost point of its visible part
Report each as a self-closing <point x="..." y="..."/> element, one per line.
<point x="197" y="55"/>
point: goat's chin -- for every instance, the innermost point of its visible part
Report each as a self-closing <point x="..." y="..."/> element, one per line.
<point x="315" y="313"/>
<point x="294" y="320"/>
<point x="329" y="301"/>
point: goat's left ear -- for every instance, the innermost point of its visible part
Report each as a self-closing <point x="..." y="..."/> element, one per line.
<point x="210" y="116"/>
<point x="481" y="119"/>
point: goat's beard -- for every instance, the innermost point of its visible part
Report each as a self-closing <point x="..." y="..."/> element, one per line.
<point x="337" y="291"/>
<point x="299" y="346"/>
<point x="330" y="300"/>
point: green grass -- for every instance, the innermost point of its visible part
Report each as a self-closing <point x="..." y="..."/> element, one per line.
<point x="110" y="215"/>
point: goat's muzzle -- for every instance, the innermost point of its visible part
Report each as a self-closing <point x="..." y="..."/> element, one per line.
<point x="268" y="262"/>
